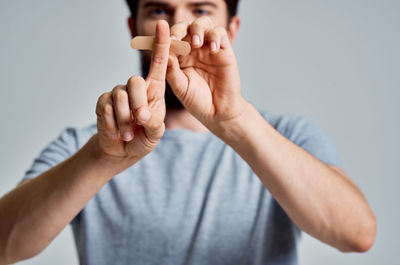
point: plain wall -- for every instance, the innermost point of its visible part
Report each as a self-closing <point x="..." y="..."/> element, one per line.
<point x="336" y="62"/>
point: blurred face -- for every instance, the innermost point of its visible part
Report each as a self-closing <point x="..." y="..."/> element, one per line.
<point x="173" y="11"/>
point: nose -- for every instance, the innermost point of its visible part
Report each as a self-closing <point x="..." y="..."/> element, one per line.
<point x="181" y="15"/>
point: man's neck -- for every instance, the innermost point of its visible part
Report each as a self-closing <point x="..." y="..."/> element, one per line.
<point x="182" y="119"/>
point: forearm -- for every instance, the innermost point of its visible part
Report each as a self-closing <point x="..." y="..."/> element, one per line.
<point x="34" y="213"/>
<point x="320" y="200"/>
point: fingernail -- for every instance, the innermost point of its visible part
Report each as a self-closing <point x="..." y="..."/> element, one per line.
<point x="145" y="115"/>
<point x="127" y="136"/>
<point x="173" y="37"/>
<point x="196" y="39"/>
<point x="213" y="46"/>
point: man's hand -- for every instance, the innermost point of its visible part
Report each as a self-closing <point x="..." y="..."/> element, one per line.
<point x="207" y="80"/>
<point x="130" y="118"/>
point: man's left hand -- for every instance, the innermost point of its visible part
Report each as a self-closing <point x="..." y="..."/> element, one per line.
<point x="207" y="80"/>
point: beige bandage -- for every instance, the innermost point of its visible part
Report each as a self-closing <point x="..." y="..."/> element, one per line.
<point x="147" y="43"/>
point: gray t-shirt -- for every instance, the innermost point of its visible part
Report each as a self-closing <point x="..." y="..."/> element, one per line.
<point x="192" y="200"/>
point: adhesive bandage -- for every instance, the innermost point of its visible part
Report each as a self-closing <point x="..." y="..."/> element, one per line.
<point x="147" y="43"/>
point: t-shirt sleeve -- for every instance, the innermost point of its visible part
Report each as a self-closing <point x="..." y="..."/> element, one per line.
<point x="307" y="135"/>
<point x="57" y="151"/>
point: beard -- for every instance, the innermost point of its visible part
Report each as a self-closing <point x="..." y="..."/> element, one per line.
<point x="171" y="101"/>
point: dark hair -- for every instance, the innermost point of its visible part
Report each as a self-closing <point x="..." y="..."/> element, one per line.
<point x="232" y="6"/>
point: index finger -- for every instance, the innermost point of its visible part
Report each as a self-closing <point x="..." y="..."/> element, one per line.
<point x="159" y="58"/>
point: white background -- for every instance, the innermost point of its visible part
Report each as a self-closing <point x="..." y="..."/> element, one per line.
<point x="335" y="61"/>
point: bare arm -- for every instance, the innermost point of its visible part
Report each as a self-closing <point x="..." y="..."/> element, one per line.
<point x="35" y="212"/>
<point x="320" y="199"/>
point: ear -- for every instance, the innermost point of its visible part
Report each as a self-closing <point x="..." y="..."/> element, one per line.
<point x="233" y="28"/>
<point x="131" y="27"/>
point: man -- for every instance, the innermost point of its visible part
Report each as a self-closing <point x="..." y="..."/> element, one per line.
<point x="203" y="178"/>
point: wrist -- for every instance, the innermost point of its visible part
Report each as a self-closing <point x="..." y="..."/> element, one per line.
<point x="232" y="130"/>
<point x="111" y="165"/>
<point x="245" y="132"/>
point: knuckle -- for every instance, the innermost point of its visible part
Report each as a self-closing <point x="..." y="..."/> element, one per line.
<point x="134" y="81"/>
<point x="213" y="35"/>
<point x="107" y="109"/>
<point x="196" y="26"/>
<point x="120" y="96"/>
<point x="159" y="59"/>
<point x="201" y="24"/>
<point x="208" y="20"/>
<point x="220" y="31"/>
<point x="101" y="102"/>
<point x="183" y="24"/>
<point x="104" y="97"/>
<point x="116" y="88"/>
<point x="204" y="20"/>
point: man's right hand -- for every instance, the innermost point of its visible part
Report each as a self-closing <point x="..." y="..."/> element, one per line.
<point x="130" y="118"/>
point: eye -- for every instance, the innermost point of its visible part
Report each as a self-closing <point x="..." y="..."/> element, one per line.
<point x="201" y="12"/>
<point x="158" y="12"/>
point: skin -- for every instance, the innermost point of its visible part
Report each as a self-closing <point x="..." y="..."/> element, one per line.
<point x="320" y="199"/>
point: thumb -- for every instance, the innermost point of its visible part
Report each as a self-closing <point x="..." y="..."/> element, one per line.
<point x="178" y="81"/>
